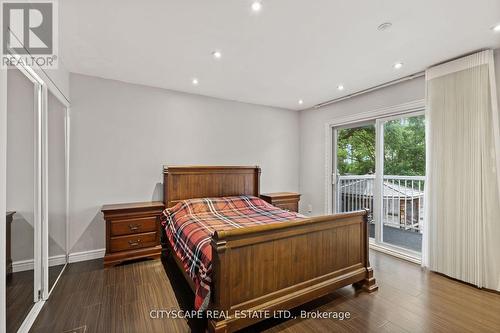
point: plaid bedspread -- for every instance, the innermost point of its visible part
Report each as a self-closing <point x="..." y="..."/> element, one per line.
<point x="190" y="224"/>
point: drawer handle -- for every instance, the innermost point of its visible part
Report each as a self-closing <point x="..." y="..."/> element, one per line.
<point x="136" y="243"/>
<point x="133" y="227"/>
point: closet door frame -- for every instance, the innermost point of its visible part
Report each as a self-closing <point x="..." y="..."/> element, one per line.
<point x="41" y="241"/>
<point x="39" y="87"/>
<point x="3" y="195"/>
<point x="46" y="290"/>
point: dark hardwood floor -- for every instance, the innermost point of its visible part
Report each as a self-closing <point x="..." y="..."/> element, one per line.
<point x="89" y="298"/>
<point x="19" y="298"/>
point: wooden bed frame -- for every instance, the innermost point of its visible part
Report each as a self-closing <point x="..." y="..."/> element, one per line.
<point x="272" y="267"/>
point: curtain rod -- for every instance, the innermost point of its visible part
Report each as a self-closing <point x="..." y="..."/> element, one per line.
<point x="364" y="91"/>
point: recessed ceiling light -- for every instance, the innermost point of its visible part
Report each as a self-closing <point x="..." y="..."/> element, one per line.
<point x="195" y="82"/>
<point x="496" y="28"/>
<point x="384" y="26"/>
<point x="256" y="6"/>
<point x="301" y="102"/>
<point x="217" y="54"/>
<point x="340" y="87"/>
<point x="398" y="65"/>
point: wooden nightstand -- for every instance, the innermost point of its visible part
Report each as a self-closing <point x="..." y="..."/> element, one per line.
<point x="132" y="231"/>
<point x="284" y="200"/>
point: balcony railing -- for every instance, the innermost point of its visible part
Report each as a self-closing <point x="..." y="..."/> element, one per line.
<point x="403" y="199"/>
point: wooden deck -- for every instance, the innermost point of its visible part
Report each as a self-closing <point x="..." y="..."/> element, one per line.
<point x="409" y="300"/>
<point x="407" y="239"/>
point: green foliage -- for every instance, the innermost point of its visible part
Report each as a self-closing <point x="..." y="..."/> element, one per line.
<point x="404" y="148"/>
<point x="404" y="142"/>
<point x="356" y="150"/>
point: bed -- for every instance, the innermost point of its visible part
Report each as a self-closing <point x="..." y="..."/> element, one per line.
<point x="254" y="259"/>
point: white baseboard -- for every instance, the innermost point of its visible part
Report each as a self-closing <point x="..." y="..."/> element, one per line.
<point x="57" y="260"/>
<point x="27" y="265"/>
<point x="22" y="265"/>
<point x="86" y="255"/>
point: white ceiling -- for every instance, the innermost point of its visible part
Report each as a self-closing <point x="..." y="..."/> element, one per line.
<point x="291" y="50"/>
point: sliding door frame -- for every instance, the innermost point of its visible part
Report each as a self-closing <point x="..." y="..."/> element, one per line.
<point x="376" y="116"/>
<point x="40" y="224"/>
<point x="39" y="88"/>
<point x="3" y="196"/>
<point x="334" y="174"/>
<point x="47" y="290"/>
<point x="38" y="243"/>
<point x="379" y="183"/>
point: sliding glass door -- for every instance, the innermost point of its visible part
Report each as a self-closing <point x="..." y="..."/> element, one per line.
<point x="355" y="169"/>
<point x="402" y="180"/>
<point x="380" y="166"/>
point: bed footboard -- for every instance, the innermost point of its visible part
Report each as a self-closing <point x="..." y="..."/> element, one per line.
<point x="280" y="266"/>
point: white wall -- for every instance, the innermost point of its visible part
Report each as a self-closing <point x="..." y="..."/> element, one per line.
<point x="122" y="134"/>
<point x="313" y="136"/>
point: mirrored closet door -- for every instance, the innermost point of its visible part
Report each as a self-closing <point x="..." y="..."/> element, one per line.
<point x="56" y="187"/>
<point x="37" y="195"/>
<point x="23" y="210"/>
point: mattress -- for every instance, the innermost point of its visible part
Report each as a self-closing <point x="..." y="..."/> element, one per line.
<point x="190" y="224"/>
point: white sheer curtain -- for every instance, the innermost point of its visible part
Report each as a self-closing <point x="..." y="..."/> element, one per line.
<point x="462" y="231"/>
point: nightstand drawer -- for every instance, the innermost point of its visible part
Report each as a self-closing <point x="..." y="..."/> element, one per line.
<point x="134" y="226"/>
<point x="131" y="242"/>
<point x="284" y="200"/>
<point x="293" y="207"/>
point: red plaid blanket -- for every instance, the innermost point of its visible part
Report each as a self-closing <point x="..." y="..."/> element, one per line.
<point x="190" y="224"/>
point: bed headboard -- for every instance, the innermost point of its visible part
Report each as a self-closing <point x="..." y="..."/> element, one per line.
<point x="187" y="182"/>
